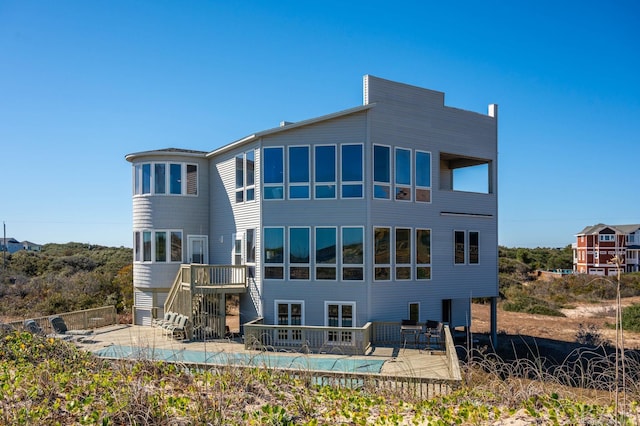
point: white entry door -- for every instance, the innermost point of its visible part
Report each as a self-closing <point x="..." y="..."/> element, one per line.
<point x="198" y="249"/>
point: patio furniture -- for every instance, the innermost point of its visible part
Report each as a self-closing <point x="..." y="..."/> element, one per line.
<point x="33" y="327"/>
<point x="433" y="331"/>
<point x="179" y="327"/>
<point x="61" y="329"/>
<point x="410" y="327"/>
<point x="169" y="317"/>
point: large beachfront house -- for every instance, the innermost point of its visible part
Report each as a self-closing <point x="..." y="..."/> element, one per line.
<point x="597" y="245"/>
<point x="358" y="216"/>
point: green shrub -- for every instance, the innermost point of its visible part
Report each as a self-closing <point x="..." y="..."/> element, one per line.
<point x="631" y="318"/>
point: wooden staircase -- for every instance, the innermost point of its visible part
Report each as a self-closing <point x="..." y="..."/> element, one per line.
<point x="199" y="292"/>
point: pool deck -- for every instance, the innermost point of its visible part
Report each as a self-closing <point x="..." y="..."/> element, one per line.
<point x="397" y="361"/>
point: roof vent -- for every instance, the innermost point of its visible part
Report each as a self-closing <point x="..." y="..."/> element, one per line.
<point x="285" y="123"/>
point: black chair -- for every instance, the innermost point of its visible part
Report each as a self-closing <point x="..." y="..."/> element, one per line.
<point x="410" y="327"/>
<point x="433" y="331"/>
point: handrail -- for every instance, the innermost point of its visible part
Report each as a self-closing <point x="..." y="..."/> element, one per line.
<point x="452" y="356"/>
<point x="173" y="292"/>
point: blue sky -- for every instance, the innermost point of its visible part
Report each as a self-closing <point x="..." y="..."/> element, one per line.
<point x="83" y="83"/>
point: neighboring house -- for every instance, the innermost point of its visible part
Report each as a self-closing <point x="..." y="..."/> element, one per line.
<point x="29" y="246"/>
<point x="11" y="245"/>
<point x="353" y="217"/>
<point x="597" y="245"/>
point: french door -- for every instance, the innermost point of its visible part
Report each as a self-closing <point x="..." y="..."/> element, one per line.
<point x="340" y="314"/>
<point x="198" y="249"/>
<point x="290" y="313"/>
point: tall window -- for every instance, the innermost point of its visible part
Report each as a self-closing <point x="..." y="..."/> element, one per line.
<point x="403" y="254"/>
<point x="299" y="172"/>
<point x="250" y="252"/>
<point x="403" y="174"/>
<point x="423" y="254"/>
<point x="245" y="176"/>
<point x="251" y="245"/>
<point x="175" y="178"/>
<point x="459" y="247"/>
<point x="326" y="254"/>
<point x="474" y="252"/>
<point x="239" y="178"/>
<point x="382" y="253"/>
<point x="299" y="253"/>
<point x="192" y="179"/>
<point x="325" y="171"/>
<point x="381" y="172"/>
<point x="414" y="311"/>
<point x="146" y="178"/>
<point x="423" y="176"/>
<point x="273" y="253"/>
<point x="237" y="250"/>
<point x="160" y="180"/>
<point x="161" y="246"/>
<point x="273" y="175"/>
<point x="176" y="246"/>
<point x="146" y="246"/>
<point x="351" y="183"/>
<point x="352" y="253"/>
<point x="250" y="174"/>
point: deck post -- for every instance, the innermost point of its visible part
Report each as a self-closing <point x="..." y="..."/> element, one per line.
<point x="494" y="321"/>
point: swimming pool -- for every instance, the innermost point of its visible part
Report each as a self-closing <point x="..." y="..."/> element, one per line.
<point x="343" y="364"/>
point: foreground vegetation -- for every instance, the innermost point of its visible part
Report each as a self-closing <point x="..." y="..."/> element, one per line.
<point x="47" y="381"/>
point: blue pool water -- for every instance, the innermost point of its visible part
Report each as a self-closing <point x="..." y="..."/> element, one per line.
<point x="263" y="359"/>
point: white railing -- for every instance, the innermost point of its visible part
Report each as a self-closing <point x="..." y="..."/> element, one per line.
<point x="337" y="340"/>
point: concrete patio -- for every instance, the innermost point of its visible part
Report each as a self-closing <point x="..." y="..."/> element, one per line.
<point x="120" y="341"/>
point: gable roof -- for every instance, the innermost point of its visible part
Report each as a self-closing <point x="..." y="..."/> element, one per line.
<point x="621" y="229"/>
<point x="9" y="240"/>
<point x="284" y="127"/>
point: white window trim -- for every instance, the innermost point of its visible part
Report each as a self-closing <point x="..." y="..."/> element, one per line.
<point x="373" y="174"/>
<point x="423" y="265"/>
<point x="289" y="302"/>
<point x="153" y="246"/>
<point x="137" y="174"/>
<point x="283" y="265"/>
<point x="352" y="265"/>
<point x="273" y="185"/>
<point x="288" y="257"/>
<point x="409" y="309"/>
<point x="391" y="254"/>
<point x="415" y="180"/>
<point x="326" y="265"/>
<point x="244" y="189"/>
<point x="352" y="182"/>
<point x="411" y="249"/>
<point x="335" y="177"/>
<point x="411" y="171"/>
<point x="339" y="303"/>
<point x="298" y="184"/>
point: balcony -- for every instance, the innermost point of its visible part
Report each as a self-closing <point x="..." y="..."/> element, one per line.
<point x="198" y="291"/>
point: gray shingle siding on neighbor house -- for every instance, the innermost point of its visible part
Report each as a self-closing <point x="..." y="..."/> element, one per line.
<point x="394" y="115"/>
